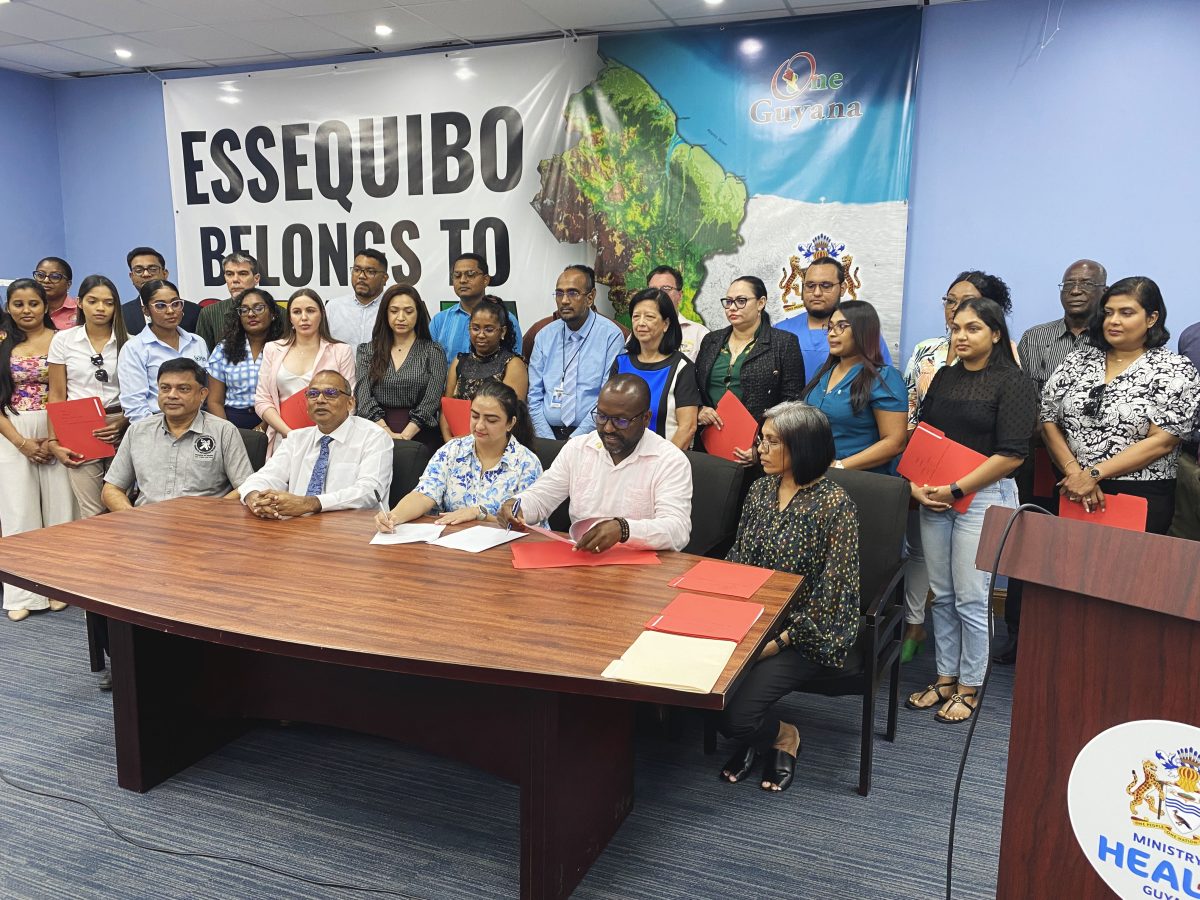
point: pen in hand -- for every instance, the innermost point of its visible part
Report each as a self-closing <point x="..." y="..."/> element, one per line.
<point x="513" y="513"/>
<point x="384" y="519"/>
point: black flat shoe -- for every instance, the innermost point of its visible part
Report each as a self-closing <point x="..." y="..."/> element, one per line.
<point x="739" y="765"/>
<point x="778" y="768"/>
<point x="1007" y="655"/>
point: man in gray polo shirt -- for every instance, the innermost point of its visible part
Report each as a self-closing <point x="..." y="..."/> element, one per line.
<point x="184" y="452"/>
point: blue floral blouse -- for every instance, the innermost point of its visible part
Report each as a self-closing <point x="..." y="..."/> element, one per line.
<point x="455" y="479"/>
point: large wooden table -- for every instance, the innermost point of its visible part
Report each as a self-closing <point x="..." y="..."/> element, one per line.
<point x="218" y="618"/>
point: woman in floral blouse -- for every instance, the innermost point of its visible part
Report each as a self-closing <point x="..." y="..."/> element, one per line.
<point x="469" y="477"/>
<point x="794" y="520"/>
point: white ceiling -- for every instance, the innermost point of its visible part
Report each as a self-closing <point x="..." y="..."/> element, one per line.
<point x="69" y="38"/>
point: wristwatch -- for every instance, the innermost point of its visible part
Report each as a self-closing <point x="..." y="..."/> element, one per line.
<point x="1094" y="472"/>
<point x="956" y="491"/>
<point x="780" y="642"/>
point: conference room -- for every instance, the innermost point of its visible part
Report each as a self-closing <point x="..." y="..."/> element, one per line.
<point x="299" y="709"/>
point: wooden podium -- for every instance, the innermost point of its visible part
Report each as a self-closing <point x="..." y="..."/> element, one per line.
<point x="1110" y="633"/>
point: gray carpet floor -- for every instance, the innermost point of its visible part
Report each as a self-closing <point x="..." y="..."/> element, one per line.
<point x="341" y="808"/>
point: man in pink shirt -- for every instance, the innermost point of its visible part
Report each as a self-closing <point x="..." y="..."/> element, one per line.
<point x="638" y="484"/>
<point x="54" y="275"/>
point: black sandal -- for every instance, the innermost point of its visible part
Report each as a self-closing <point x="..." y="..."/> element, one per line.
<point x="958" y="699"/>
<point x="778" y="768"/>
<point x="936" y="690"/>
<point x="739" y="765"/>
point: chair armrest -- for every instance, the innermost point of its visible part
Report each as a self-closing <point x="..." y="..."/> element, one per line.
<point x="896" y="576"/>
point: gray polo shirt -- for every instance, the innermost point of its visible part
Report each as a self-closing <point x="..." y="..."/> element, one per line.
<point x="209" y="460"/>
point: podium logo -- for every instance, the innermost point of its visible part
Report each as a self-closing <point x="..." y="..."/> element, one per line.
<point x="1134" y="802"/>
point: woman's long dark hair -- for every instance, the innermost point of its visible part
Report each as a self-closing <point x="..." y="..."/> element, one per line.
<point x="514" y="408"/>
<point x="673" y="339"/>
<point x="89" y="284"/>
<point x="1148" y="296"/>
<point x="13" y="335"/>
<point x="864" y="329"/>
<point x="495" y="307"/>
<point x="992" y="314"/>
<point x="234" y="342"/>
<point x="381" y="334"/>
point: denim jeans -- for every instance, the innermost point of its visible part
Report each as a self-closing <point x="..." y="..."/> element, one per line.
<point x="916" y="578"/>
<point x="960" y="591"/>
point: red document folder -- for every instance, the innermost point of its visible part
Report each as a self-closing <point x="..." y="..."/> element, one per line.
<point x="557" y="555"/>
<point x="715" y="576"/>
<point x="932" y="458"/>
<point x="740" y="429"/>
<point x="707" y="617"/>
<point x="294" y="411"/>
<point x="1120" y="511"/>
<point x="74" y="421"/>
<point x="458" y="415"/>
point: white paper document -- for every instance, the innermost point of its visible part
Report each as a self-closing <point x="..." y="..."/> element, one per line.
<point x="409" y="534"/>
<point x="672" y="661"/>
<point x="477" y="538"/>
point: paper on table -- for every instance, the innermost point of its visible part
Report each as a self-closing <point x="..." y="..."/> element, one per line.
<point x="477" y="538"/>
<point x="672" y="661"/>
<point x="715" y="576"/>
<point x="739" y="430"/>
<point x="409" y="534"/>
<point x="546" y="532"/>
<point x="559" y="554"/>
<point x="717" y="618"/>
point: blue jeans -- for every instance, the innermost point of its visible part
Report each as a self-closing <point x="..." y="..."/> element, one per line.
<point x="960" y="591"/>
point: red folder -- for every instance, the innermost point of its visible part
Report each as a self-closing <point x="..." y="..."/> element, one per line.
<point x="458" y="415"/>
<point x="294" y="411"/>
<point x="1120" y="511"/>
<point x="557" y="555"/>
<point x="74" y="421"/>
<point x="715" y="576"/>
<point x="740" y="429"/>
<point x="1045" y="484"/>
<point x="707" y="617"/>
<point x="932" y="458"/>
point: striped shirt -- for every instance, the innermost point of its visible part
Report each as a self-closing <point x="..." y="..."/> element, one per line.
<point x="1044" y="347"/>
<point x="240" y="379"/>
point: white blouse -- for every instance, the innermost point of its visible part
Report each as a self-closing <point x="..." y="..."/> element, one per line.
<point x="71" y="348"/>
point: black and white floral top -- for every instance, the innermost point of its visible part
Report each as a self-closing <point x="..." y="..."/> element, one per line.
<point x="1099" y="421"/>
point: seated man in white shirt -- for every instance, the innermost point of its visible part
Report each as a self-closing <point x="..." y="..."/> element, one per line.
<point x="341" y="462"/>
<point x="638" y="483"/>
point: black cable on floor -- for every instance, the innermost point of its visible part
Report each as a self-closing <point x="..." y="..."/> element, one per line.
<point x="198" y="855"/>
<point x="987" y="674"/>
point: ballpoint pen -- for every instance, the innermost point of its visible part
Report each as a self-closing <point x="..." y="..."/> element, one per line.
<point x="513" y="513"/>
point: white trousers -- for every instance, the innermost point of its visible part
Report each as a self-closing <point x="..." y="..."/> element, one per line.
<point x="31" y="496"/>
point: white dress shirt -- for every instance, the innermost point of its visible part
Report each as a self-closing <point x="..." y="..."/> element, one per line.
<point x="72" y="348"/>
<point x="651" y="489"/>
<point x="352" y="322"/>
<point x="360" y="465"/>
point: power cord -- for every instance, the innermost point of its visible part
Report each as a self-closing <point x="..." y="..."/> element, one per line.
<point x="238" y="860"/>
<point x="987" y="674"/>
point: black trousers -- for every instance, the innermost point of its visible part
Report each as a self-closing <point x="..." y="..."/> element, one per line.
<point x="748" y="718"/>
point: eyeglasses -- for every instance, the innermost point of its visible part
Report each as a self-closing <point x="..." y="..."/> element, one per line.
<point x="173" y="306"/>
<point x="767" y="443"/>
<point x="487" y="330"/>
<point x="256" y="310"/>
<point x="618" y="422"/>
<point x="101" y="373"/>
<point x="327" y="393"/>
<point x="56" y="277"/>
<point x="1082" y="284"/>
<point x="146" y="270"/>
<point x="739" y="302"/>
<point x="570" y="294"/>
<point x="1094" y="401"/>
<point x="838" y="327"/>
<point x="370" y="273"/>
<point x="467" y="274"/>
<point x="951" y="303"/>
<point x="813" y="286"/>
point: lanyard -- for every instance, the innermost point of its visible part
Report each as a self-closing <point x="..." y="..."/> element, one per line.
<point x="567" y="362"/>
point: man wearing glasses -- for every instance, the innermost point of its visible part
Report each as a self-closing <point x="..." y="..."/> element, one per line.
<point x="824" y="285"/>
<point x="143" y="355"/>
<point x="340" y="462"/>
<point x="185" y="452"/>
<point x="352" y="317"/>
<point x="469" y="278"/>
<point x="670" y="280"/>
<point x="147" y="264"/>
<point x="636" y="485"/>
<point x="241" y="273"/>
<point x="571" y="358"/>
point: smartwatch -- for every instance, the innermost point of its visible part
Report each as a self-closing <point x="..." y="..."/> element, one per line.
<point x="956" y="491"/>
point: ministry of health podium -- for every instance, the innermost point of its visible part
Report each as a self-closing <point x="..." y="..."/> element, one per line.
<point x="1110" y="632"/>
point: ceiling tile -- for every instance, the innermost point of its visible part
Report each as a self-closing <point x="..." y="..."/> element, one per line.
<point x="325" y="7"/>
<point x="41" y="25"/>
<point x="291" y="35"/>
<point x="115" y="15"/>
<point x="696" y="9"/>
<point x="483" y="18"/>
<point x="407" y="30"/>
<point x="218" y="12"/>
<point x="6" y="39"/>
<point x="735" y="17"/>
<point x="144" y="54"/>
<point x="592" y="14"/>
<point x="200" y="42"/>
<point x="21" y="67"/>
<point x="47" y="56"/>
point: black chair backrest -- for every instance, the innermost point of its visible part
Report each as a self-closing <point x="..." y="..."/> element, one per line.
<point x="256" y="447"/>
<point x="547" y="451"/>
<point x="716" y="501"/>
<point x="882" y="502"/>
<point x="409" y="459"/>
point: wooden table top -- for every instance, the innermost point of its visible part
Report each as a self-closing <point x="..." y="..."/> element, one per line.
<point x="315" y="588"/>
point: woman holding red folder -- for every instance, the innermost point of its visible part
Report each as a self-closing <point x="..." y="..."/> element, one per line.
<point x="987" y="404"/>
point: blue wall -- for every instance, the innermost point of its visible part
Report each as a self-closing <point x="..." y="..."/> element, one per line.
<point x="31" y="224"/>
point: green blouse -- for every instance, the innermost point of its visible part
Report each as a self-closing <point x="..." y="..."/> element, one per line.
<point x="728" y="377"/>
<point x="815" y="537"/>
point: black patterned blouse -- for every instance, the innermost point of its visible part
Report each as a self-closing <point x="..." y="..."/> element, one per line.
<point x="816" y="537"/>
<point x="474" y="371"/>
<point x="417" y="385"/>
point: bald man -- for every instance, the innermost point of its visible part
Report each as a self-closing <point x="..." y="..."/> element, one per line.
<point x="636" y="484"/>
<point x="1044" y="346"/>
<point x="340" y="462"/>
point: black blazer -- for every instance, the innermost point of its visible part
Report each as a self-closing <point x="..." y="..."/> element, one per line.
<point x="772" y="372"/>
<point x="135" y="320"/>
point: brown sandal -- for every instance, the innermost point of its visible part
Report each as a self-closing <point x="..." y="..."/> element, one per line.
<point x="913" y="700"/>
